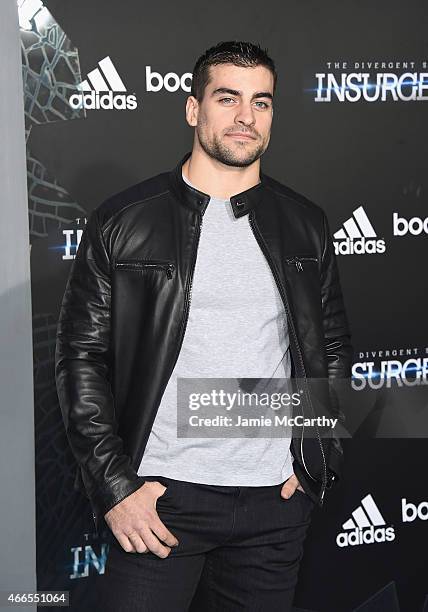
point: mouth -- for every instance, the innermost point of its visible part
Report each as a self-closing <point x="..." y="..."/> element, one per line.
<point x="241" y="136"/>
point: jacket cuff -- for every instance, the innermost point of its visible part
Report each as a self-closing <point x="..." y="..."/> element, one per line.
<point x="113" y="492"/>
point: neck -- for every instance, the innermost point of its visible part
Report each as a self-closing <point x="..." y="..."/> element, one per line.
<point x="216" y="179"/>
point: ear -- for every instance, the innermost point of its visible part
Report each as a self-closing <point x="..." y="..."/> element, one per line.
<point x="192" y="109"/>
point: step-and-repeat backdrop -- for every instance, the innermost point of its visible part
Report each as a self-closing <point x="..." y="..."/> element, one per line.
<point x="349" y="133"/>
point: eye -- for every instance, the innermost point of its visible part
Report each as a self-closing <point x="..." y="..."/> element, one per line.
<point x="264" y="105"/>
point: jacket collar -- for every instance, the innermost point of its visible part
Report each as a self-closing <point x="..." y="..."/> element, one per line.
<point x="197" y="200"/>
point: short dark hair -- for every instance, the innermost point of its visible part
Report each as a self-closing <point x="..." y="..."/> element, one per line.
<point x="234" y="52"/>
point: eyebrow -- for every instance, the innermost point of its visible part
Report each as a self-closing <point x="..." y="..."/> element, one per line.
<point x="236" y="92"/>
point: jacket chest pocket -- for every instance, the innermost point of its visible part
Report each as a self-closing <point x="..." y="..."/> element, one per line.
<point x="144" y="265"/>
<point x="304" y="283"/>
<point x="302" y="262"/>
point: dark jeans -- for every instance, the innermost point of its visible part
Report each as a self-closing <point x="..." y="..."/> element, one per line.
<point x="240" y="549"/>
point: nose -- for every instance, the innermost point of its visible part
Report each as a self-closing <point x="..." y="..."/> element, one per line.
<point x="245" y="115"/>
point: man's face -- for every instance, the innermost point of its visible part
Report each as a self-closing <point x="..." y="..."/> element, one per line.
<point x="233" y="120"/>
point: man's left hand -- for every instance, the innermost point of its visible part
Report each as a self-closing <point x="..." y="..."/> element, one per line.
<point x="290" y="485"/>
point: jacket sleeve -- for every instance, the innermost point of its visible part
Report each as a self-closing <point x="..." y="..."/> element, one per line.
<point x="337" y="338"/>
<point x="82" y="375"/>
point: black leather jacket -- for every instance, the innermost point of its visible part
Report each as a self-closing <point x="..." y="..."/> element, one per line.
<point x="125" y="309"/>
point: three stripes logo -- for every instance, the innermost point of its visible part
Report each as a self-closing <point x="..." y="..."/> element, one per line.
<point x="357" y="236"/>
<point x="103" y="89"/>
<point x="365" y="526"/>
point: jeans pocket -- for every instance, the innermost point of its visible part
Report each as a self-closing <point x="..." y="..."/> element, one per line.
<point x="301" y="492"/>
<point x="168" y="484"/>
<point x="164" y="494"/>
<point x="306" y="496"/>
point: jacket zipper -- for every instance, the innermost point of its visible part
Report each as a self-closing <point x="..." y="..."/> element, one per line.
<point x="191" y="280"/>
<point x="265" y="251"/>
<point x="188" y="296"/>
<point x="141" y="265"/>
<point x="297" y="261"/>
<point x="94" y="516"/>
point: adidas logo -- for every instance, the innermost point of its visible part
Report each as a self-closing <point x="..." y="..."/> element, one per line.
<point x="366" y="526"/>
<point x="105" y="78"/>
<point x="357" y="237"/>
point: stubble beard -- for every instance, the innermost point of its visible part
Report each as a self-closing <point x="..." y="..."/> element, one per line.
<point x="230" y="156"/>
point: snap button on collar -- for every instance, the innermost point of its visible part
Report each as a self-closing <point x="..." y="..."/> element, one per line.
<point x="241" y="203"/>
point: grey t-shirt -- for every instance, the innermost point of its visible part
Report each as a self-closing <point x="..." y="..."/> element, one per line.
<point x="236" y="327"/>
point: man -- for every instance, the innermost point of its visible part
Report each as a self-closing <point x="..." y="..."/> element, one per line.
<point x="210" y="270"/>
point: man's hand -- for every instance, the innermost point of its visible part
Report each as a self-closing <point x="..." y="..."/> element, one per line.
<point x="135" y="522"/>
<point x="290" y="485"/>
